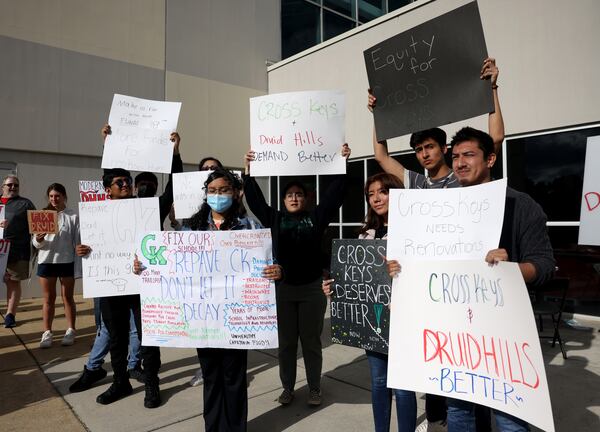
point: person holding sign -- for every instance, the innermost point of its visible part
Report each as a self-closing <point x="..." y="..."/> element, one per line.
<point x="16" y="230"/>
<point x="56" y="260"/>
<point x="301" y="305"/>
<point x="430" y="145"/>
<point x="116" y="312"/>
<point x="224" y="370"/>
<point x="375" y="227"/>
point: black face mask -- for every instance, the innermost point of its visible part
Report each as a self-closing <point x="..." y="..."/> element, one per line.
<point x="146" y="190"/>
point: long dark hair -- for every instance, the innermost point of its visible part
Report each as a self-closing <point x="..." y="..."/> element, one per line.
<point x="199" y="221"/>
<point x="388" y="181"/>
<point x="58" y="188"/>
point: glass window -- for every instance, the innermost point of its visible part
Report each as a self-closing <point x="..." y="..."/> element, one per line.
<point x="334" y="24"/>
<point x="345" y="7"/>
<point x="397" y="4"/>
<point x="324" y="182"/>
<point x="350" y="232"/>
<point x="370" y="9"/>
<point x="332" y="232"/>
<point x="353" y="209"/>
<point x="553" y="178"/>
<point x="300" y="26"/>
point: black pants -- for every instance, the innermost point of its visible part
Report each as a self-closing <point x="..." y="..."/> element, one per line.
<point x="225" y="389"/>
<point x="300" y="313"/>
<point x="116" y="315"/>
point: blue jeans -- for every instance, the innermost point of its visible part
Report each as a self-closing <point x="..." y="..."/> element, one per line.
<point x="461" y="418"/>
<point x="381" y="397"/>
<point x="101" y="343"/>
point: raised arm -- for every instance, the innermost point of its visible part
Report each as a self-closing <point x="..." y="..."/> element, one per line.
<point x="333" y="198"/>
<point x="490" y="71"/>
<point x="165" y="201"/>
<point x="380" y="150"/>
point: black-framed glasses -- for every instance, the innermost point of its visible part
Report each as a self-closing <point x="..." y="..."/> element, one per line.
<point x="122" y="182"/>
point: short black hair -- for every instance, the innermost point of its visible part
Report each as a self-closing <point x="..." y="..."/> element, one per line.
<point x="147" y="177"/>
<point x="484" y="141"/>
<point x="436" y="134"/>
<point x="219" y="164"/>
<point x="233" y="179"/>
<point x="291" y="184"/>
<point x="111" y="173"/>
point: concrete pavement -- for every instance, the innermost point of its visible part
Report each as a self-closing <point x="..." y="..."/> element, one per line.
<point x="34" y="385"/>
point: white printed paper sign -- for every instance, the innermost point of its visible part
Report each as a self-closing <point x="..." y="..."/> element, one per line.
<point x="111" y="229"/>
<point x="205" y="289"/>
<point x="466" y="330"/>
<point x="589" y="227"/>
<point x="298" y="133"/>
<point x="445" y="224"/>
<point x="140" y="138"/>
<point x="91" y="190"/>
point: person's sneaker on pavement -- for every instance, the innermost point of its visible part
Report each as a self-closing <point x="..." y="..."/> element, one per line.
<point x="152" y="396"/>
<point x="87" y="379"/>
<point x="116" y="391"/>
<point x="286" y="397"/>
<point x="46" y="341"/>
<point x="314" y="397"/>
<point x="137" y="373"/>
<point x="197" y="379"/>
<point x="69" y="337"/>
<point x="9" y="321"/>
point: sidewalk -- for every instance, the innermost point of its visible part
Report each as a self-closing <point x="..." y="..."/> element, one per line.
<point x="34" y="385"/>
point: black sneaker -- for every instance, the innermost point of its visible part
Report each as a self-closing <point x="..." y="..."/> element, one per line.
<point x="9" y="321"/>
<point x="87" y="379"/>
<point x="116" y="391"/>
<point x="152" y="397"/>
<point x="137" y="374"/>
<point x="314" y="397"/>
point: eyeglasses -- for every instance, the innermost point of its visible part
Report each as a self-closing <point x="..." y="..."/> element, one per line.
<point x="293" y="195"/>
<point x="122" y="182"/>
<point x="11" y="185"/>
<point x="209" y="168"/>
<point x="222" y="191"/>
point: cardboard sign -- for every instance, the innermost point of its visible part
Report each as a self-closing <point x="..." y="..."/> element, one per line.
<point x="429" y="75"/>
<point x="42" y="221"/>
<point x="362" y="291"/>
<point x="298" y="133"/>
<point x="445" y="224"/>
<point x="466" y="330"/>
<point x="91" y="190"/>
<point x="205" y="289"/>
<point x="589" y="226"/>
<point x="111" y="229"/>
<point x="140" y="138"/>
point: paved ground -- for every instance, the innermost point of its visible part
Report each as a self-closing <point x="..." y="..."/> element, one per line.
<point x="34" y="385"/>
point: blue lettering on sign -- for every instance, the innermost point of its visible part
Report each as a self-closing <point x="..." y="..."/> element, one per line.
<point x="459" y="382"/>
<point x="201" y="311"/>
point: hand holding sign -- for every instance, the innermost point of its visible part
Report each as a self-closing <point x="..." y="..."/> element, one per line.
<point x="42" y="221"/>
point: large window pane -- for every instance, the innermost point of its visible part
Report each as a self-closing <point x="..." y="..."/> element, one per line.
<point x="334" y="25"/>
<point x="370" y="9"/>
<point x="324" y="183"/>
<point x="396" y="4"/>
<point x="353" y="209"/>
<point x="333" y="232"/>
<point x="350" y="232"/>
<point x="550" y="169"/>
<point x="345" y="7"/>
<point x="300" y="26"/>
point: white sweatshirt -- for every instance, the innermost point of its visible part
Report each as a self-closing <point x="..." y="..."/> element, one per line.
<point x="60" y="248"/>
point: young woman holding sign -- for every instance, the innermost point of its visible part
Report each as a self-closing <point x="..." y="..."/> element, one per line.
<point x="297" y="236"/>
<point x="375" y="227"/>
<point x="224" y="370"/>
<point x="56" y="260"/>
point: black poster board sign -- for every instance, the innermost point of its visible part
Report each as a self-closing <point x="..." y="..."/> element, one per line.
<point x="362" y="289"/>
<point x="428" y="76"/>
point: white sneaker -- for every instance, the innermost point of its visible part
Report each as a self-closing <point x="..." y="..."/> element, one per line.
<point x="197" y="378"/>
<point x="69" y="337"/>
<point x="46" y="341"/>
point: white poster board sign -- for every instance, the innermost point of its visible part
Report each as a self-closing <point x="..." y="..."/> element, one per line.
<point x="140" y="138"/>
<point x="205" y="289"/>
<point x="589" y="226"/>
<point x="91" y="190"/>
<point x="2" y="217"/>
<point x="466" y="330"/>
<point x="189" y="193"/>
<point x="445" y="224"/>
<point x="111" y="229"/>
<point x="4" y="250"/>
<point x="298" y="133"/>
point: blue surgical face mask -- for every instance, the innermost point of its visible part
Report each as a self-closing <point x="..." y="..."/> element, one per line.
<point x="219" y="202"/>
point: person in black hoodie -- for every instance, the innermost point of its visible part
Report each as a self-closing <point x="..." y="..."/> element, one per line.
<point x="297" y="235"/>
